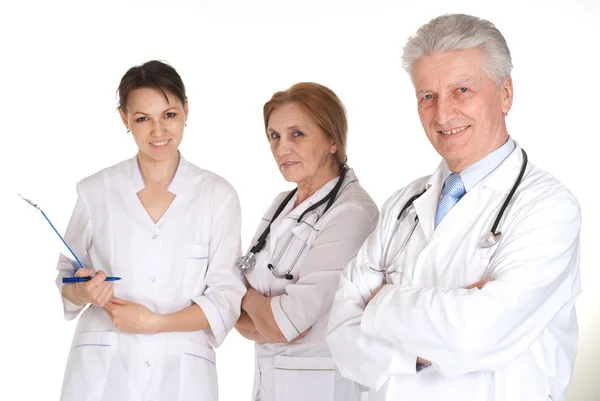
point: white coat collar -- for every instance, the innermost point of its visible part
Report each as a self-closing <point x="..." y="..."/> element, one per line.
<point x="501" y="179"/>
<point x="176" y="185"/>
<point x="320" y="194"/>
<point x="286" y="221"/>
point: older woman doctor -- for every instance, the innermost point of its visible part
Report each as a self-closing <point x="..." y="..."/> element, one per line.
<point x="306" y="237"/>
<point x="171" y="231"/>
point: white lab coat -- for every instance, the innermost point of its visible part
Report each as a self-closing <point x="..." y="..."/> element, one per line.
<point x="319" y="251"/>
<point x="514" y="340"/>
<point x="187" y="257"/>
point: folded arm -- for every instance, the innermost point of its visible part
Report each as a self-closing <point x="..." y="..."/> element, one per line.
<point x="534" y="273"/>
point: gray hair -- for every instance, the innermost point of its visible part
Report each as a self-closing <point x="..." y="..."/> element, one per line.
<point x="461" y="32"/>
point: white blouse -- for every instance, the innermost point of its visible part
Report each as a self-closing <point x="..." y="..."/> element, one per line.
<point x="318" y="249"/>
<point x="187" y="257"/>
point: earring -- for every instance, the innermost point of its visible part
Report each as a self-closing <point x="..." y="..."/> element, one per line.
<point x="128" y="130"/>
<point x="185" y="124"/>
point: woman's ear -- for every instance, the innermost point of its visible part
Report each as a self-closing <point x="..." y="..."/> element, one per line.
<point x="123" y="115"/>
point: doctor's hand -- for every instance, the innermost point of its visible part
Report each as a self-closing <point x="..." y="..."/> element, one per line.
<point x="245" y="326"/>
<point x="132" y="318"/>
<point x="97" y="291"/>
<point x="478" y="284"/>
<point x="374" y="293"/>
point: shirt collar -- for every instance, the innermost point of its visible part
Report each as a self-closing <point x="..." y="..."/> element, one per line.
<point x="176" y="185"/>
<point x="481" y="169"/>
<point x="318" y="195"/>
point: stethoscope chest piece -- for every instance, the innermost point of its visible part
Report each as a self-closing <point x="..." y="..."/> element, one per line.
<point x="246" y="263"/>
<point x="490" y="239"/>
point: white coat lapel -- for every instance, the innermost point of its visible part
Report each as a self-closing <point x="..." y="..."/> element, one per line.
<point x="476" y="204"/>
<point x="426" y="205"/>
<point x="503" y="178"/>
<point x="128" y="185"/>
<point x="280" y="226"/>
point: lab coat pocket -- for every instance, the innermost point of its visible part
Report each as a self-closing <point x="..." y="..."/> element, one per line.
<point x="304" y="378"/>
<point x="198" y="373"/>
<point x="300" y="243"/>
<point x="193" y="284"/>
<point x="88" y="365"/>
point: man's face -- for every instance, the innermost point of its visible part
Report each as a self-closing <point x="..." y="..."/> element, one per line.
<point x="460" y="107"/>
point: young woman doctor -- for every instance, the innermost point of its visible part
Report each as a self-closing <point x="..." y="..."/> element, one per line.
<point x="306" y="237"/>
<point x="171" y="231"/>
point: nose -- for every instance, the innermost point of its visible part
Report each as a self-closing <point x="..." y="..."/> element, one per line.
<point x="158" y="128"/>
<point x="445" y="111"/>
<point x="282" y="147"/>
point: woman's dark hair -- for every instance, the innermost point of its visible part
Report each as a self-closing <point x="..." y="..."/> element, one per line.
<point x="152" y="74"/>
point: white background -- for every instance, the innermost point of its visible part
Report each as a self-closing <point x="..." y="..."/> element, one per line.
<point x="61" y="64"/>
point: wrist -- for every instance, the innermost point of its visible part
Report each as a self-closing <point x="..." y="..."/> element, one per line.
<point x="70" y="293"/>
<point x="159" y="323"/>
<point x="251" y="301"/>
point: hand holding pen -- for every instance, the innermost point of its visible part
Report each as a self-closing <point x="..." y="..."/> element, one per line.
<point x="96" y="290"/>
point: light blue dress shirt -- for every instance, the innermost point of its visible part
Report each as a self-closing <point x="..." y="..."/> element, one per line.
<point x="478" y="171"/>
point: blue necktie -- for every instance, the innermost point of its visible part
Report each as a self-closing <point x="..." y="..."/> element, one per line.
<point x="453" y="190"/>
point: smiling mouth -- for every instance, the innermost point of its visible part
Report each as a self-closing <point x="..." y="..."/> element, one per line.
<point x="289" y="164"/>
<point x="454" y="131"/>
<point x="160" y="144"/>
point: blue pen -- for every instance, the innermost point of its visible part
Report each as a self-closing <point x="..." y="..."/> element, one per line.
<point x="66" y="279"/>
<point x="84" y="279"/>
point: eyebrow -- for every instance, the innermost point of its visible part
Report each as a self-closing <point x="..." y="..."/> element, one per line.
<point x="146" y="114"/>
<point x="460" y="81"/>
<point x="291" y="127"/>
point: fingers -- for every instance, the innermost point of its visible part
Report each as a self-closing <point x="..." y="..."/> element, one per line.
<point x="89" y="286"/>
<point x="84" y="272"/>
<point x="374" y="293"/>
<point x="106" y="295"/>
<point x="118" y="301"/>
<point x="97" y="279"/>
<point x="478" y="284"/>
<point x="101" y="294"/>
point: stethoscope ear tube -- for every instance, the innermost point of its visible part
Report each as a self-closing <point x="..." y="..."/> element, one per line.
<point x="409" y="203"/>
<point x="262" y="240"/>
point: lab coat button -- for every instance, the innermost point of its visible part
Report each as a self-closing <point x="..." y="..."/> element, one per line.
<point x="147" y="364"/>
<point x="154" y="236"/>
<point x="151" y="279"/>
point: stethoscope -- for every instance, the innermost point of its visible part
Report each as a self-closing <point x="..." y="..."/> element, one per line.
<point x="490" y="239"/>
<point x="247" y="262"/>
